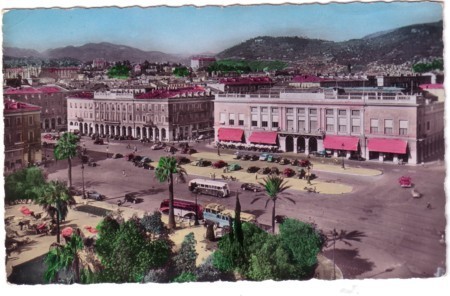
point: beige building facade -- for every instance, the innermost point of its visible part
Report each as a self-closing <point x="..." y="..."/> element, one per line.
<point x="375" y="125"/>
<point x="164" y="115"/>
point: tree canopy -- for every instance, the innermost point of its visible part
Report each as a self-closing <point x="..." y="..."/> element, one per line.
<point x="24" y="184"/>
<point x="126" y="253"/>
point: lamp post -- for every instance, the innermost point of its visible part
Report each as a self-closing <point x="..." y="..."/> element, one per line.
<point x="82" y="178"/>
<point x="334" y="248"/>
<point x="196" y="223"/>
<point x="343" y="156"/>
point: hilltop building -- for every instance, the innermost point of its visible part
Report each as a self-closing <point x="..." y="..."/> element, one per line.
<point x="201" y="62"/>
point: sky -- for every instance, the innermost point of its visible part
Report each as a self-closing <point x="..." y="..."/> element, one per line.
<point x="191" y="30"/>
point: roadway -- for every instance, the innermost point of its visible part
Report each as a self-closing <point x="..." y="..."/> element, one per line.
<point x="392" y="235"/>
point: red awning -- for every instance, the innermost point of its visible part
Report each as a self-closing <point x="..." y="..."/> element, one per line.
<point x="341" y="143"/>
<point x="263" y="138"/>
<point x="387" y="145"/>
<point x="230" y="134"/>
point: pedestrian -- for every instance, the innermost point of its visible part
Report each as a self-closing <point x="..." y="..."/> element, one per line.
<point x="135" y="148"/>
<point x="214" y="176"/>
<point x="256" y="176"/>
<point x="107" y="151"/>
<point x="123" y="173"/>
<point x="218" y="150"/>
<point x="428" y="205"/>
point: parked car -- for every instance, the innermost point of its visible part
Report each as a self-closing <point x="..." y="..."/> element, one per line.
<point x="98" y="142"/>
<point x="251" y="187"/>
<point x="304" y="163"/>
<point x="246" y="157"/>
<point x="254" y="157"/>
<point x="147" y="166"/>
<point x="234" y="167"/>
<point x="405" y="182"/>
<point x="288" y="172"/>
<point x="284" y="161"/>
<point x="171" y="149"/>
<point x="75" y="192"/>
<point x="201" y="163"/>
<point x="117" y="155"/>
<point x="145" y="159"/>
<point x="321" y="153"/>
<point x="219" y="164"/>
<point x="137" y="159"/>
<point x="94" y="195"/>
<point x="264" y="171"/>
<point x="129" y="197"/>
<point x="264" y="156"/>
<point x="274" y="170"/>
<point x="157" y="146"/>
<point x="295" y="162"/>
<point x="129" y="156"/>
<point x="252" y="169"/>
<point x="188" y="151"/>
<point x="183" y="160"/>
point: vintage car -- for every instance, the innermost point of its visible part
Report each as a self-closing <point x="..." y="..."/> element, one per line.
<point x="284" y="161"/>
<point x="94" y="195"/>
<point x="234" y="167"/>
<point x="219" y="164"/>
<point x="288" y="172"/>
<point x="201" y="163"/>
<point x="251" y="187"/>
<point x="129" y="197"/>
<point x="264" y="156"/>
<point x="98" y="142"/>
<point x="252" y="169"/>
<point x="183" y="160"/>
<point x="117" y="155"/>
<point x="405" y="182"/>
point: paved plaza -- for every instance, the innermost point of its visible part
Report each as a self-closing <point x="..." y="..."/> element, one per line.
<point x="390" y="234"/>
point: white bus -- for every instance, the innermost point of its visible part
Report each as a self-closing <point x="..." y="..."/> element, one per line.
<point x="211" y="187"/>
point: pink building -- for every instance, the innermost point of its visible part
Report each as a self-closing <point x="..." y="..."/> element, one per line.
<point x="375" y="124"/>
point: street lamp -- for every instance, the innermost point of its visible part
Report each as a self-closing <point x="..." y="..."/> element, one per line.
<point x="343" y="156"/>
<point x="334" y="248"/>
<point x="196" y="223"/>
<point x="82" y="178"/>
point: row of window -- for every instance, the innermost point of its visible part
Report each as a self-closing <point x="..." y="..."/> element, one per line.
<point x="302" y="111"/>
<point x="144" y="107"/>
<point x="18" y="138"/>
<point x="18" y="120"/>
<point x="389" y="126"/>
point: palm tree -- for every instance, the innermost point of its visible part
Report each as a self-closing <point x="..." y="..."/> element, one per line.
<point x="167" y="166"/>
<point x="64" y="257"/>
<point x="273" y="185"/>
<point x="54" y="197"/>
<point x="66" y="148"/>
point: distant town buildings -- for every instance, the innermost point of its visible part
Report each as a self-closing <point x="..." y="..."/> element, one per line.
<point x="242" y="84"/>
<point x="201" y="62"/>
<point x="22" y="134"/>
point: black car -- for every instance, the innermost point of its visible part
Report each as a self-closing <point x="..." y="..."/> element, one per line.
<point x="251" y="187"/>
<point x="357" y="157"/>
<point x="131" y="198"/>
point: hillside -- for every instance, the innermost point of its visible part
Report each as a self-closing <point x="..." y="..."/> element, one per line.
<point x="90" y="51"/>
<point x="406" y="44"/>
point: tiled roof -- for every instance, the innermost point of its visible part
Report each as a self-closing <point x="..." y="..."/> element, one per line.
<point x="246" y="80"/>
<point x="307" y="78"/>
<point x="83" y="95"/>
<point x="12" y="106"/>
<point x="32" y="90"/>
<point x="432" y="86"/>
<point x="164" y="93"/>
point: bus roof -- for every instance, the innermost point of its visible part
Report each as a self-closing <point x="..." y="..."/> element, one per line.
<point x="246" y="217"/>
<point x="208" y="182"/>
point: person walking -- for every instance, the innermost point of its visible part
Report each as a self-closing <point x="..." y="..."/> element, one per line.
<point x="123" y="173"/>
<point x="107" y="151"/>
